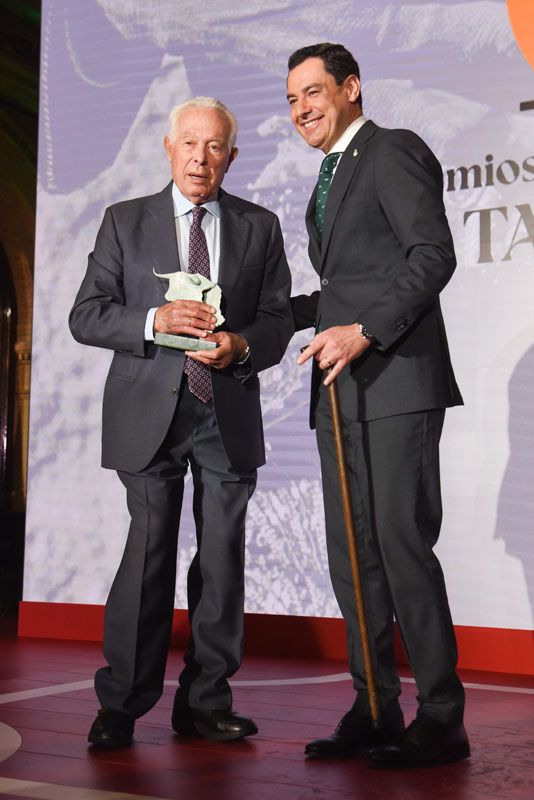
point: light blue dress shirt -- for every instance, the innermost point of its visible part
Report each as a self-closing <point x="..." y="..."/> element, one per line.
<point x="211" y="225"/>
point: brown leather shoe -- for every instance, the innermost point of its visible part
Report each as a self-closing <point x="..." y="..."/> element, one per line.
<point x="425" y="743"/>
<point x="111" y="729"/>
<point x="354" y="734"/>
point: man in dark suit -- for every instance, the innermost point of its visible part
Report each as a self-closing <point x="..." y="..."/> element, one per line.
<point x="380" y="242"/>
<point x="165" y="410"/>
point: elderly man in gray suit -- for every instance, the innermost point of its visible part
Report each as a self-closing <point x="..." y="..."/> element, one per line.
<point x="380" y="241"/>
<point x="165" y="411"/>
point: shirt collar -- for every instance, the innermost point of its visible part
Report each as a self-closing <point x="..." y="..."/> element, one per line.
<point x="348" y="134"/>
<point x="183" y="206"/>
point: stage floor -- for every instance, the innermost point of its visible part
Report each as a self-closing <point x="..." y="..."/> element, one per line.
<point x="47" y="705"/>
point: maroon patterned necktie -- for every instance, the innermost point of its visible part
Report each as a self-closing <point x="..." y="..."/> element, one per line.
<point x="198" y="375"/>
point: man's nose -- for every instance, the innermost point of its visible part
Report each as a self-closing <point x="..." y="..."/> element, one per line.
<point x="201" y="154"/>
<point x="301" y="108"/>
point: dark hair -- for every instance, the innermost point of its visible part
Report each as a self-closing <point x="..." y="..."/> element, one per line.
<point x="336" y="59"/>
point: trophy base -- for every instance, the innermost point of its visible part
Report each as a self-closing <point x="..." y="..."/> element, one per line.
<point x="183" y="342"/>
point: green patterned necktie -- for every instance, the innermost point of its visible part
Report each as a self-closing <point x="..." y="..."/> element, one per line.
<point x="326" y="174"/>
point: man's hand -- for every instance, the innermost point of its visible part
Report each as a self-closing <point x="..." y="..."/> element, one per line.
<point x="230" y="348"/>
<point x="189" y="317"/>
<point x="335" y="348"/>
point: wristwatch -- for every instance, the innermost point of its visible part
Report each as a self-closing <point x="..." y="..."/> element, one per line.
<point x="244" y="355"/>
<point x="366" y="334"/>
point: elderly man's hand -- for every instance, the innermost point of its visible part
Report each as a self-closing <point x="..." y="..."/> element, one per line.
<point x="335" y="348"/>
<point x="230" y="348"/>
<point x="189" y="317"/>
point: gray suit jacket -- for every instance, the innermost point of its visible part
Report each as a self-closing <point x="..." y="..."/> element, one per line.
<point x="136" y="237"/>
<point x="386" y="254"/>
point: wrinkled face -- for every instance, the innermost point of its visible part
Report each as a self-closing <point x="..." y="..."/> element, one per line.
<point x="200" y="153"/>
<point x="320" y="109"/>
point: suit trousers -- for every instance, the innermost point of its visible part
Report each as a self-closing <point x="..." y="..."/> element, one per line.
<point x="139" y="609"/>
<point x="393" y="466"/>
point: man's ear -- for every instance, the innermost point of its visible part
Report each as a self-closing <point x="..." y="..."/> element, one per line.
<point x="233" y="155"/>
<point x="167" y="146"/>
<point x="353" y="87"/>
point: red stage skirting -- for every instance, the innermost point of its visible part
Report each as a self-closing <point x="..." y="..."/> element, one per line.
<point x="486" y="649"/>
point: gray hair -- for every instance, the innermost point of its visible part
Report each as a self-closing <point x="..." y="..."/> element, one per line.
<point x="202" y="102"/>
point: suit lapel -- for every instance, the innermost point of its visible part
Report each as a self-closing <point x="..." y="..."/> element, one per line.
<point x="235" y="230"/>
<point x="160" y="232"/>
<point x="347" y="168"/>
<point x="314" y="249"/>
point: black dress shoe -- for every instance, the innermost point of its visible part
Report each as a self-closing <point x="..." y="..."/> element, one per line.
<point x="220" y="725"/>
<point x="425" y="743"/>
<point x="354" y="734"/>
<point x="223" y="725"/>
<point x="112" y="729"/>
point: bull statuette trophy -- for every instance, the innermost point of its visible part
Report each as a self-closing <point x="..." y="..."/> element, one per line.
<point x="186" y="286"/>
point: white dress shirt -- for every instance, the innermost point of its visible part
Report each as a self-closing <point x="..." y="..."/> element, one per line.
<point x="346" y="137"/>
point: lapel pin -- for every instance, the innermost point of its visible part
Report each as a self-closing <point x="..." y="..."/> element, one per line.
<point x="355" y="152"/>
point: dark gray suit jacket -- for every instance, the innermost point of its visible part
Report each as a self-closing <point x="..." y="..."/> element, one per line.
<point x="139" y="236"/>
<point x="386" y="254"/>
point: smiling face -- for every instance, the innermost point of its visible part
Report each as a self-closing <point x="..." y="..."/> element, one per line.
<point x="320" y="109"/>
<point x="200" y="152"/>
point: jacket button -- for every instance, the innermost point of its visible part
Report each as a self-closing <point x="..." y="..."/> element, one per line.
<point x="175" y="390"/>
<point x="325" y="281"/>
<point x="401" y="324"/>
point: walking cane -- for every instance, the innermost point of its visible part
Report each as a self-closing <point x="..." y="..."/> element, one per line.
<point x="350" y="532"/>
